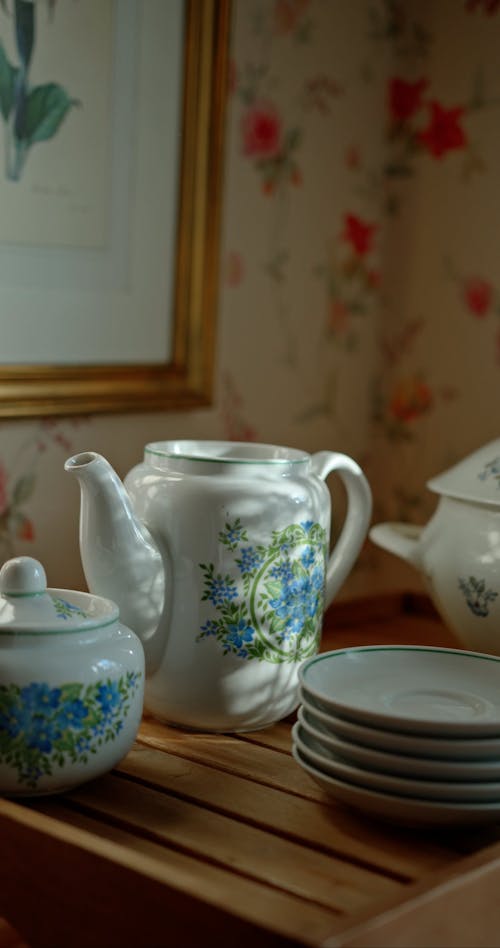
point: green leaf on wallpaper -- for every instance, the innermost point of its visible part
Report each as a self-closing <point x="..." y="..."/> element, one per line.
<point x="397" y="169"/>
<point x="46" y="108"/>
<point x="8" y="75"/>
<point x="23" y="489"/>
<point x="19" y="526"/>
<point x="478" y="97"/>
<point x="293" y="138"/>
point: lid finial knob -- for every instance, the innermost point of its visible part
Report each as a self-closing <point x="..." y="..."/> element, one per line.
<point x="22" y="576"/>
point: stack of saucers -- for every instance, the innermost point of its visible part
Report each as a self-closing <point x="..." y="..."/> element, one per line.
<point x="409" y="734"/>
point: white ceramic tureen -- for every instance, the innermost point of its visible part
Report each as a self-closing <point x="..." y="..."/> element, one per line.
<point x="71" y="683"/>
<point x="458" y="552"/>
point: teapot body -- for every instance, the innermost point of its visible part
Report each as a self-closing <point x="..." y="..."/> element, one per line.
<point x="459" y="556"/>
<point x="70" y="699"/>
<point x="244" y="533"/>
<point x="458" y="552"/>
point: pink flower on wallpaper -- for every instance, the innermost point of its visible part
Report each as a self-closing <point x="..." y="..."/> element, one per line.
<point x="405" y="98"/>
<point x="478" y="296"/>
<point x="261" y="130"/>
<point x="359" y="234"/>
<point x="373" y="279"/>
<point x="319" y="93"/>
<point x="339" y="317"/>
<point x="236" y="425"/>
<point x="353" y="157"/>
<point x="444" y="132"/>
<point x="287" y="14"/>
<point x="235" y="268"/>
<point x="411" y="398"/>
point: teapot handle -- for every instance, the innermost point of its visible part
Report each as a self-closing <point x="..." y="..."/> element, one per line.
<point x="355" y="528"/>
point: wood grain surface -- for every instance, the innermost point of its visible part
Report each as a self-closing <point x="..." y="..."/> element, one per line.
<point x="209" y="839"/>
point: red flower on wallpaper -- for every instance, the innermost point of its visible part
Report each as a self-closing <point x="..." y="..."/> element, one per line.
<point x="486" y="6"/>
<point x="288" y="14"/>
<point x="271" y="147"/>
<point x="236" y="425"/>
<point x="235" y="268"/>
<point x="26" y="530"/>
<point x="444" y="132"/>
<point x="353" y="157"/>
<point x="261" y="129"/>
<point x="405" y="98"/>
<point x="478" y="296"/>
<point x="351" y="279"/>
<point x="359" y="234"/>
<point x="339" y="317"/>
<point x="411" y="398"/>
<point x="418" y="125"/>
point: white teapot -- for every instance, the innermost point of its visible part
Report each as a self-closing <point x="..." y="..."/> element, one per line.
<point x="217" y="553"/>
<point x="458" y="552"/>
<point x="71" y="683"/>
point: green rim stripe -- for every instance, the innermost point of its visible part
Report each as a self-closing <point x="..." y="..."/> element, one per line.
<point x="224" y="460"/>
<point x="68" y="631"/>
<point x="401" y="648"/>
<point x="24" y="595"/>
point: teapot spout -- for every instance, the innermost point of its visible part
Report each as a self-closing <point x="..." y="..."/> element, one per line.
<point x="402" y="539"/>
<point x="119" y="557"/>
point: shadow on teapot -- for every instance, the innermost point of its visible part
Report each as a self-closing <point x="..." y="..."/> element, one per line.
<point x="217" y="554"/>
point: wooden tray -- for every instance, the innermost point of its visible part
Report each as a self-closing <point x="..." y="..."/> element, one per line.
<point x="223" y="840"/>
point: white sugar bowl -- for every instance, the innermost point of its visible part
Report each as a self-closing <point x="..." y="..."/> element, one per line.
<point x="71" y="683"/>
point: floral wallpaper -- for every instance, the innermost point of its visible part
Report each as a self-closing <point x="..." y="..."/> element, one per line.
<point x="359" y="302"/>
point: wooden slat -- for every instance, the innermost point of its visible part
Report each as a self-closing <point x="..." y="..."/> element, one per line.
<point x="9" y="938"/>
<point x="326" y="826"/>
<point x="456" y="909"/>
<point x="62" y="886"/>
<point x="210" y="836"/>
<point x="299" y="918"/>
<point x="220" y="840"/>
<point x="277" y="736"/>
<point x="232" y="755"/>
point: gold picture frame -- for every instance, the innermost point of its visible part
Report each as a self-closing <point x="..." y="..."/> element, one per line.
<point x="185" y="381"/>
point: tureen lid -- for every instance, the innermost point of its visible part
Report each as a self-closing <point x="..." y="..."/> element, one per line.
<point x="475" y="478"/>
<point x="27" y="606"/>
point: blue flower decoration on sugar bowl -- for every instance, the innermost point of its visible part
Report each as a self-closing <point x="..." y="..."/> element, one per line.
<point x="71" y="683"/>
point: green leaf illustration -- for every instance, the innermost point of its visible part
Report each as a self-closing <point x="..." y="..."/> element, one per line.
<point x="23" y="489"/>
<point x="70" y="692"/>
<point x="24" y="13"/>
<point x="46" y="108"/>
<point x="273" y="588"/>
<point x="8" y="74"/>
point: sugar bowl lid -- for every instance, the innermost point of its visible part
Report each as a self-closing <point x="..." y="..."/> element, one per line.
<point x="28" y="607"/>
<point x="476" y="478"/>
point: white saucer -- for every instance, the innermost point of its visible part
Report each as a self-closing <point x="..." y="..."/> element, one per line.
<point x="401" y="810"/>
<point x="460" y="749"/>
<point x="411" y="688"/>
<point x="396" y="763"/>
<point x="451" y="792"/>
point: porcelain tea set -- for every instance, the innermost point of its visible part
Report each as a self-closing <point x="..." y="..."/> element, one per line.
<point x="216" y="555"/>
<point x="209" y="571"/>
